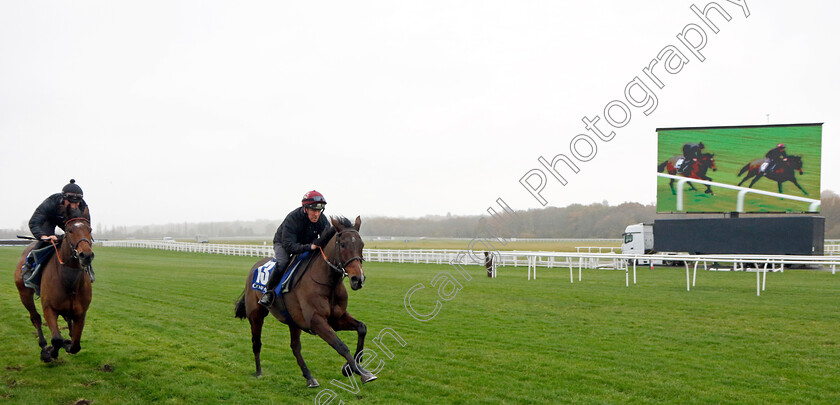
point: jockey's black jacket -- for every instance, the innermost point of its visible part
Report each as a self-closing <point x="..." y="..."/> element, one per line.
<point x="297" y="232"/>
<point x="49" y="215"/>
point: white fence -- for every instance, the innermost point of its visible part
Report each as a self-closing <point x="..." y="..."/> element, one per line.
<point x="426" y="256"/>
<point x="584" y="258"/>
<point x="233" y="250"/>
<point x="742" y="192"/>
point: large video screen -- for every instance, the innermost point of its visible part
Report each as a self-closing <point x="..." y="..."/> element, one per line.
<point x="774" y="168"/>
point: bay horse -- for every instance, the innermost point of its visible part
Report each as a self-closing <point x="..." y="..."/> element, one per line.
<point x="317" y="303"/>
<point x="698" y="169"/>
<point x="65" y="288"/>
<point x="784" y="171"/>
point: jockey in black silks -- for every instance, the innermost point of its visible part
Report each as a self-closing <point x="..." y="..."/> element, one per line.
<point x="53" y="212"/>
<point x="690" y="153"/>
<point x="295" y="235"/>
<point x="775" y="156"/>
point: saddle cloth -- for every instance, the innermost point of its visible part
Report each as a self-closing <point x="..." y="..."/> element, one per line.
<point x="36" y="259"/>
<point x="262" y="274"/>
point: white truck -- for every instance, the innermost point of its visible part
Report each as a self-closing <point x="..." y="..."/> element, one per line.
<point x="638" y="239"/>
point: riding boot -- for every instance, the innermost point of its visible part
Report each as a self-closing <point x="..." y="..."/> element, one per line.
<point x="268" y="298"/>
<point x="26" y="270"/>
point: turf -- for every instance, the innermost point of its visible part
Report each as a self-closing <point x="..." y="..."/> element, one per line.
<point x="161" y="329"/>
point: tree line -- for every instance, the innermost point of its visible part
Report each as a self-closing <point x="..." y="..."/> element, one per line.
<point x="598" y="220"/>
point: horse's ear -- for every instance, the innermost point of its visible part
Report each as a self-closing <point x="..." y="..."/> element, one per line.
<point x="336" y="223"/>
<point x="358" y="223"/>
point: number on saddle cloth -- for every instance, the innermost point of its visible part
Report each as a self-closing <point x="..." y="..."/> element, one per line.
<point x="262" y="274"/>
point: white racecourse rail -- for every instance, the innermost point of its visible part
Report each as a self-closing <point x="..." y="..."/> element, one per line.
<point x="583" y="258"/>
<point x="742" y="192"/>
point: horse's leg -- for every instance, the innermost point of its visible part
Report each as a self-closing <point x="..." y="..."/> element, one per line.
<point x="749" y="175"/>
<point x="674" y="192"/>
<point x="56" y="341"/>
<point x="322" y="328"/>
<point x="796" y="183"/>
<point x="708" y="187"/>
<point x="76" y="327"/>
<point x="757" y="176"/>
<point x="27" y="297"/>
<point x="294" y="339"/>
<point x="69" y="321"/>
<point x="257" y="318"/>
<point x="347" y="322"/>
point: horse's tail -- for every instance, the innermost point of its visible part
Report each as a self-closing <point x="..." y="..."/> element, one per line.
<point x="239" y="309"/>
<point x="744" y="169"/>
<point x="661" y="167"/>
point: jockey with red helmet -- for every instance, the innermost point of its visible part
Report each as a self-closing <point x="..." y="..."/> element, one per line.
<point x="775" y="156"/>
<point x="295" y="235"/>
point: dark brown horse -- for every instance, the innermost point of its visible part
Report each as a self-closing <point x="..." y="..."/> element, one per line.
<point x="697" y="170"/>
<point x="784" y="171"/>
<point x="317" y="303"/>
<point x="65" y="288"/>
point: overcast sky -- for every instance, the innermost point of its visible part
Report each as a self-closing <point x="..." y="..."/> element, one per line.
<point x="195" y="111"/>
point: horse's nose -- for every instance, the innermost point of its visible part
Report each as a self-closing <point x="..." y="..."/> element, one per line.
<point x="86" y="258"/>
<point x="356" y="282"/>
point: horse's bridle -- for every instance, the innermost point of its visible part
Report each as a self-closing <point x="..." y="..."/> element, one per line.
<point x="78" y="242"/>
<point x="340" y="267"/>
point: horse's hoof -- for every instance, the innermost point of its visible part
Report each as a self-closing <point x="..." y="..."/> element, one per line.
<point x="345" y="369"/>
<point x="312" y="383"/>
<point x="368" y="377"/>
<point x="257" y="374"/>
<point x="46" y="357"/>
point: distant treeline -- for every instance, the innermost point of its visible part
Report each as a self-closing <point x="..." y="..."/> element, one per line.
<point x="599" y="220"/>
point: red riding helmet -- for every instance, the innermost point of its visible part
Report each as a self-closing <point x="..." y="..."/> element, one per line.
<point x="781" y="146"/>
<point x="314" y="200"/>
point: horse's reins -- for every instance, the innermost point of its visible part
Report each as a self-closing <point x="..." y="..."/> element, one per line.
<point x="340" y="269"/>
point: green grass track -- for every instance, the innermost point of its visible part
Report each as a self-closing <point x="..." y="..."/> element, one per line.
<point x="161" y="330"/>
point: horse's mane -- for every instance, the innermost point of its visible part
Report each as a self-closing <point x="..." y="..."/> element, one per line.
<point x="330" y="232"/>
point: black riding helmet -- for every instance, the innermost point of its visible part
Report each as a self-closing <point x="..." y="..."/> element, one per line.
<point x="72" y="192"/>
